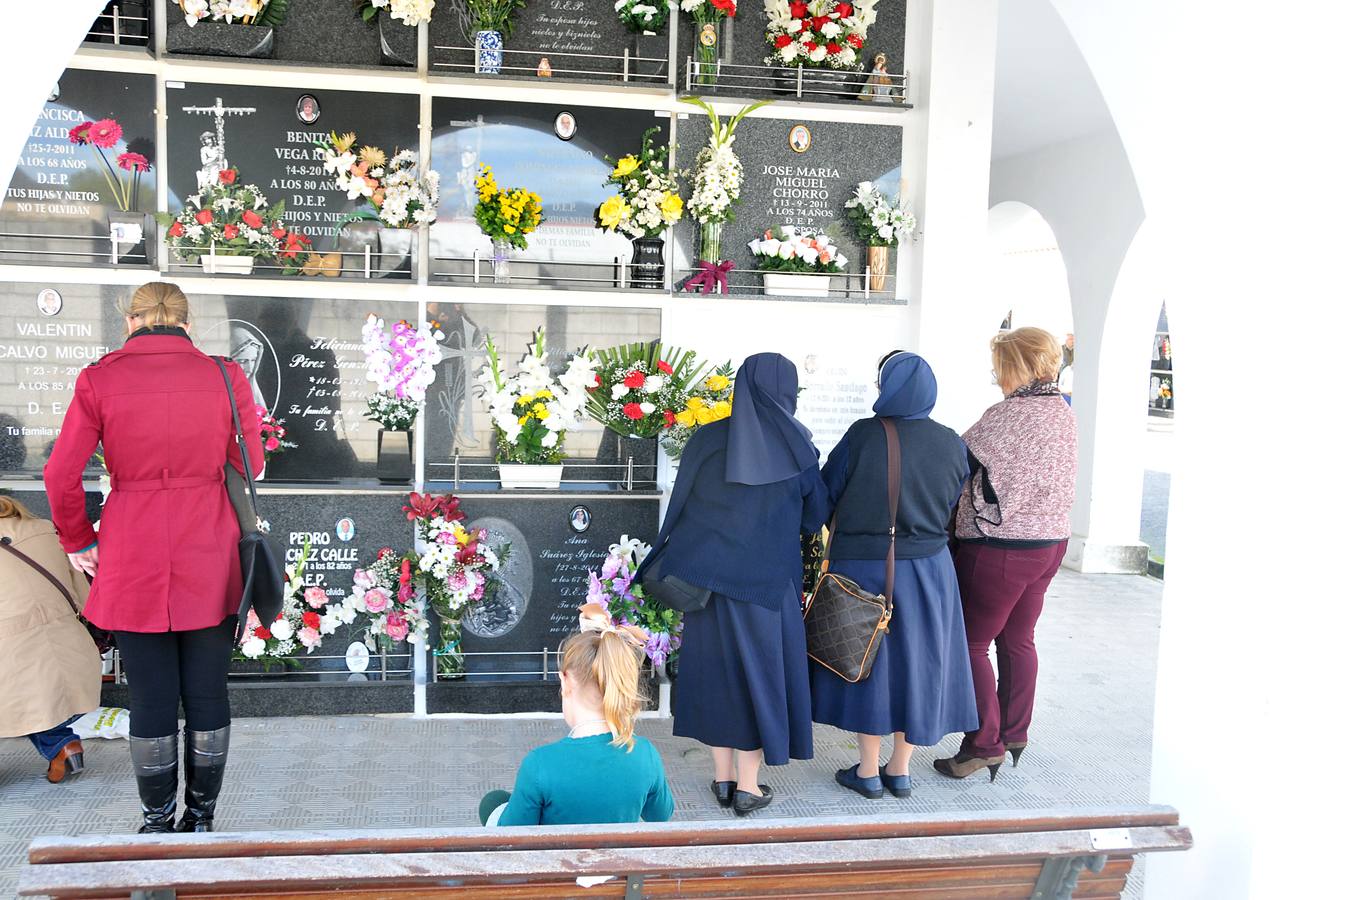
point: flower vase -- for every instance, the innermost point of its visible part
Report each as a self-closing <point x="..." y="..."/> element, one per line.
<point x="219" y="39"/>
<point x="394" y="456"/>
<point x="878" y="260"/>
<point x="399" y="42"/>
<point x="646" y="263"/>
<point x="448" y="652"/>
<point x="710" y="241"/>
<point x="515" y="476"/>
<point x="501" y="273"/>
<point x="706" y="48"/>
<point x="650" y="59"/>
<point x="217" y="264"/>
<point x="128" y="233"/>
<point x="488" y="52"/>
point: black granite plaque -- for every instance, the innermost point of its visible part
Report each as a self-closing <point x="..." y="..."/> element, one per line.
<point x="304" y="357"/>
<point x="580" y="40"/>
<point x="319" y="32"/>
<point x="260" y="132"/>
<point x="518" y="141"/>
<point x="743" y="44"/>
<point x="807" y="188"/>
<point x="457" y="412"/>
<point x="555" y="542"/>
<point x="60" y="188"/>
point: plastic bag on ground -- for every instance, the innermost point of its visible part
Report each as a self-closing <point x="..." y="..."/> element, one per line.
<point x="110" y="722"/>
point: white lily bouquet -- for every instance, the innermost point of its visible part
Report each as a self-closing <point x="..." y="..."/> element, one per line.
<point x="879" y="222"/>
<point x="533" y="409"/>
<point x="717" y="179"/>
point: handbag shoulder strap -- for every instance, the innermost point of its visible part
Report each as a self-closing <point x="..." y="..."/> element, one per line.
<point x="9" y="545"/>
<point x="239" y="434"/>
<point x="895" y="462"/>
<point x="893" y="459"/>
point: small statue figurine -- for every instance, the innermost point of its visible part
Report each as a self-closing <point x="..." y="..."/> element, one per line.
<point x="543" y="68"/>
<point x="879" y="86"/>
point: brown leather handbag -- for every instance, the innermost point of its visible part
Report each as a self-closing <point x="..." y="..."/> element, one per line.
<point x="844" y="623"/>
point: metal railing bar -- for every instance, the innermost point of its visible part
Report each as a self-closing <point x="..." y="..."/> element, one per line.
<point x="554" y="53"/>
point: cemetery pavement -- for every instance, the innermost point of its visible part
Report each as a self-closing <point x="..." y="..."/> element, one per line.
<point x="1090" y="745"/>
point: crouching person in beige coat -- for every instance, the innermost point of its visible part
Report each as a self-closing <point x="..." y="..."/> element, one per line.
<point x="48" y="661"/>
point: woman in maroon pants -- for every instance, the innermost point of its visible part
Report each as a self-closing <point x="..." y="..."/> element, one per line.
<point x="1011" y="532"/>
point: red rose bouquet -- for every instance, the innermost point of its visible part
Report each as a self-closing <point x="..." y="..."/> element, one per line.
<point x="273" y="434"/>
<point x="234" y="219"/>
<point x="818" y="33"/>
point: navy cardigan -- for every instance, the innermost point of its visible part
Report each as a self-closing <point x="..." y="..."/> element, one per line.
<point x="739" y="540"/>
<point x="935" y="464"/>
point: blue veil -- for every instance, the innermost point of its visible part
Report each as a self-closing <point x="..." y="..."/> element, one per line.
<point x="766" y="442"/>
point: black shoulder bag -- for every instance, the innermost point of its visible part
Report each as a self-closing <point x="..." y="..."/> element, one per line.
<point x="844" y="622"/>
<point x="102" y="639"/>
<point x="261" y="557"/>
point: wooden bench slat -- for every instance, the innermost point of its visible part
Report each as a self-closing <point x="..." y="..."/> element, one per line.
<point x="49" y="850"/>
<point x="394" y="870"/>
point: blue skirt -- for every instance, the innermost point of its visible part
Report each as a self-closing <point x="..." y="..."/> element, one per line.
<point x="921" y="683"/>
<point x="743" y="679"/>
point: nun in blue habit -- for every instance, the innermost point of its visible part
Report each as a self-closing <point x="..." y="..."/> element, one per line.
<point x="746" y="488"/>
<point x="920" y="688"/>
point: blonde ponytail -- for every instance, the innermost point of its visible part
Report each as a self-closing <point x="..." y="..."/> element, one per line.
<point x="610" y="663"/>
<point x="158" y="303"/>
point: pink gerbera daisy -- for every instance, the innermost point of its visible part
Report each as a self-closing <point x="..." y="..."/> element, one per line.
<point x="80" y="133"/>
<point x="133" y="162"/>
<point x="105" y="133"/>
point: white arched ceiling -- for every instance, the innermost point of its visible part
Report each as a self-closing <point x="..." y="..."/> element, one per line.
<point x="34" y="50"/>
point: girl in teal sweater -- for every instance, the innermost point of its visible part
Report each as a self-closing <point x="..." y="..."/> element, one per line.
<point x="601" y="773"/>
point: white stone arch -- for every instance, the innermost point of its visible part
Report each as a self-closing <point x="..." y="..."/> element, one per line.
<point x="1025" y="270"/>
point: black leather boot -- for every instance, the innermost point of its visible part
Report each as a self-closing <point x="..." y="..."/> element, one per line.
<point x="204" y="756"/>
<point x="155" y="762"/>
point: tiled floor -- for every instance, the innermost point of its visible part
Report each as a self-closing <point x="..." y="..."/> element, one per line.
<point x="1090" y="745"/>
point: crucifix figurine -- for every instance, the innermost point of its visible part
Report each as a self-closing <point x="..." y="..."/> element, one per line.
<point x="214" y="145"/>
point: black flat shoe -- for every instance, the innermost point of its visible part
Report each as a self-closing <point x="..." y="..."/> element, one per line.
<point x="871" y="788"/>
<point x="724" y="792"/>
<point x="745" y="803"/>
<point x="900" y="786"/>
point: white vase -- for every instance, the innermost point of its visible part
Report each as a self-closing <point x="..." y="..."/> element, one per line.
<point x="514" y="476"/>
<point x="794" y="284"/>
<point x="227" y="265"/>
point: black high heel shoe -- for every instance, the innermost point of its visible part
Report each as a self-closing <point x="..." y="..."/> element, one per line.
<point x="724" y="792"/>
<point x="1016" y="748"/>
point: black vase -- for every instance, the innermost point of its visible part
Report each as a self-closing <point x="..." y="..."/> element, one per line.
<point x="646" y="263"/>
<point x="219" y="39"/>
<point x="394" y="457"/>
<point x="399" y="42"/>
<point x="650" y="58"/>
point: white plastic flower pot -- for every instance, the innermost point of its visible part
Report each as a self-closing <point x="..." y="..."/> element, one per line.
<point x="227" y="265"/>
<point x="792" y="284"/>
<point x="516" y="476"/>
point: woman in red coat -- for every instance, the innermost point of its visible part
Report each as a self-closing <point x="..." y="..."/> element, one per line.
<point x="167" y="574"/>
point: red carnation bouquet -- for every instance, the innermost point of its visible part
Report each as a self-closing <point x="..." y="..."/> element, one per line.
<point x="641" y="389"/>
<point x="818" y="33"/>
<point x="235" y="219"/>
<point x="273" y="434"/>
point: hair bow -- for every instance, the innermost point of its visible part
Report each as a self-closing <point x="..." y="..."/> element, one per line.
<point x="593" y="617"/>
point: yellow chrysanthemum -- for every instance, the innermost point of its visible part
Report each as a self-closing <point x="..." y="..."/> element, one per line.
<point x="612" y="212"/>
<point x="721" y="410"/>
<point x="624" y="166"/>
<point x="671" y="207"/>
<point x="372" y="156"/>
<point x="717" y="383"/>
<point x="539" y="410"/>
<point x="509" y="229"/>
<point x="342" y="142"/>
<point x="686" y="418"/>
<point x="523" y="420"/>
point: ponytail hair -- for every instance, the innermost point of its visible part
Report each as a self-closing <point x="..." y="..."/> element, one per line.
<point x="610" y="662"/>
<point x="159" y="303"/>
